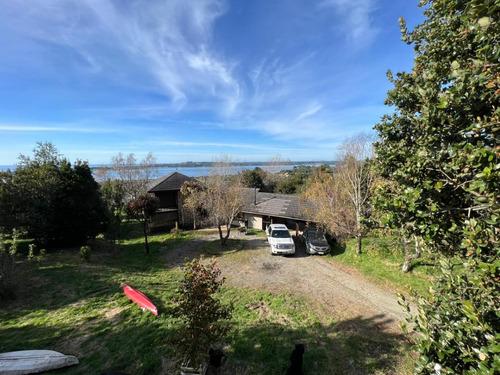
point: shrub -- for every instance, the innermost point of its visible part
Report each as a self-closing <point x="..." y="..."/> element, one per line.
<point x="204" y="317"/>
<point x="7" y="261"/>
<point x="85" y="253"/>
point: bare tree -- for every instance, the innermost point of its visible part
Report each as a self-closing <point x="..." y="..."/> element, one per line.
<point x="223" y="197"/>
<point x="133" y="175"/>
<point x="193" y="196"/>
<point x="331" y="205"/>
<point x="272" y="170"/>
<point x="354" y="167"/>
<point x="341" y="201"/>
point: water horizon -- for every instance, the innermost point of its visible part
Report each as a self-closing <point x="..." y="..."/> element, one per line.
<point x="191" y="171"/>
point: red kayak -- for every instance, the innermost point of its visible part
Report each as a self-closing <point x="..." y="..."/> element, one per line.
<point x="139" y="298"/>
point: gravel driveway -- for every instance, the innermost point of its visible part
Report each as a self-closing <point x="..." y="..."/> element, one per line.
<point x="324" y="283"/>
<point x="331" y="288"/>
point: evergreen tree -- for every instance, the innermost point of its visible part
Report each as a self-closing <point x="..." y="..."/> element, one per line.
<point x="440" y="150"/>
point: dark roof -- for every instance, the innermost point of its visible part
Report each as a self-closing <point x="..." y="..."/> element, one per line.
<point x="172" y="181"/>
<point x="278" y="205"/>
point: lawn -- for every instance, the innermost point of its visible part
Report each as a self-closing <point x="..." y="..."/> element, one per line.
<point x="381" y="262"/>
<point x="78" y="308"/>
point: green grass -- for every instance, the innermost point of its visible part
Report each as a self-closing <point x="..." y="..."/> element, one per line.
<point x="381" y="261"/>
<point x="78" y="308"/>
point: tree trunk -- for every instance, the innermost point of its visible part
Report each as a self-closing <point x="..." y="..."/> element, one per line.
<point x="409" y="256"/>
<point x="144" y="229"/>
<point x="221" y="236"/>
<point x="359" y="237"/>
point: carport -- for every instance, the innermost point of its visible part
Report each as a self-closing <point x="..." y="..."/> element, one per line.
<point x="262" y="209"/>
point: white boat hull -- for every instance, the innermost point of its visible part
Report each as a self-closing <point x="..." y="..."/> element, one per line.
<point x="33" y="361"/>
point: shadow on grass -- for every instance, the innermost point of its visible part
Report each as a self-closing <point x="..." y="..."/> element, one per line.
<point x="132" y="341"/>
<point x="338" y="248"/>
<point x="355" y="346"/>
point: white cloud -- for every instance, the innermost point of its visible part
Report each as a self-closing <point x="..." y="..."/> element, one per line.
<point x="308" y="112"/>
<point x="355" y="18"/>
<point x="222" y="145"/>
<point x="162" y="46"/>
<point x="54" y="128"/>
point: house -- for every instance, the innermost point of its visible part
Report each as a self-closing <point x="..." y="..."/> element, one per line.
<point x="259" y="210"/>
<point x="167" y="189"/>
<point x="262" y="209"/>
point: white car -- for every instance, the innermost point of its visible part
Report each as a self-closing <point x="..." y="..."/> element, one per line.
<point x="280" y="239"/>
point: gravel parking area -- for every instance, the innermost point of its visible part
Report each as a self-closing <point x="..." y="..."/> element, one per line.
<point x="330" y="288"/>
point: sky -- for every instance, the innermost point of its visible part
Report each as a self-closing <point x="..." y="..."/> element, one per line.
<point x="190" y="80"/>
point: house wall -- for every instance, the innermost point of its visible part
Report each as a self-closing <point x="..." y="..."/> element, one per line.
<point x="168" y="199"/>
<point x="164" y="219"/>
<point x="254" y="221"/>
<point x="260" y="222"/>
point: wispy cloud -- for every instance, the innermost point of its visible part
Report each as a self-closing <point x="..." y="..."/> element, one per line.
<point x="224" y="145"/>
<point x="355" y="18"/>
<point x="165" y="46"/>
<point x="308" y="112"/>
<point x="60" y="129"/>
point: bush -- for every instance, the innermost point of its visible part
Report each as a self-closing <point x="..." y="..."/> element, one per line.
<point x="458" y="325"/>
<point x="85" y="253"/>
<point x="203" y="316"/>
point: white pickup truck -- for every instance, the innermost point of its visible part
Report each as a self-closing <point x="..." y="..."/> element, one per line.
<point x="280" y="239"/>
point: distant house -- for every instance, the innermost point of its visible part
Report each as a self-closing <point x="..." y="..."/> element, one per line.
<point x="262" y="209"/>
<point x="167" y="189"/>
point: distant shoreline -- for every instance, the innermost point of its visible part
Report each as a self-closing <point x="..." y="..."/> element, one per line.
<point x="203" y="164"/>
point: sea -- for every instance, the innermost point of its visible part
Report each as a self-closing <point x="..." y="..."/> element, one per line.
<point x="194" y="171"/>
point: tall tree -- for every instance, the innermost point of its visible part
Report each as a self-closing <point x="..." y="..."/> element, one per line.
<point x="141" y="209"/>
<point x="354" y="169"/>
<point x="441" y="149"/>
<point x="331" y="206"/>
<point x="51" y="199"/>
<point x="223" y="197"/>
<point x="193" y="194"/>
<point x="341" y="200"/>
<point x="134" y="175"/>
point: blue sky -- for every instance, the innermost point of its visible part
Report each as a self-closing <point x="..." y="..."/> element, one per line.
<point x="193" y="79"/>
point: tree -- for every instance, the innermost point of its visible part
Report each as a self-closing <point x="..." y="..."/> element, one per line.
<point x="354" y="169"/>
<point x="204" y="316"/>
<point x="341" y="200"/>
<point x="223" y="195"/>
<point x="441" y="150"/>
<point x="294" y="180"/>
<point x="193" y="195"/>
<point x="51" y="199"/>
<point x="114" y="196"/>
<point x="391" y="211"/>
<point x="7" y="262"/>
<point x="331" y="206"/>
<point x="141" y="209"/>
<point x="134" y="176"/>
<point x="252" y="178"/>
<point x="273" y="170"/>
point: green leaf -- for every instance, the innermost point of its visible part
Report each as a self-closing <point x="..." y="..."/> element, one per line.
<point x="484" y="22"/>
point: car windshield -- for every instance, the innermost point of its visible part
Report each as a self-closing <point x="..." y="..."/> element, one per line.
<point x="317" y="236"/>
<point x="280" y="234"/>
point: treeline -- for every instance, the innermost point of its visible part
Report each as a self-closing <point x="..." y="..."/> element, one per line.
<point x="201" y="164"/>
<point x="281" y="181"/>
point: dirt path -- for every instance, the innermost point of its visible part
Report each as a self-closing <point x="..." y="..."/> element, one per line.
<point x="326" y="285"/>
